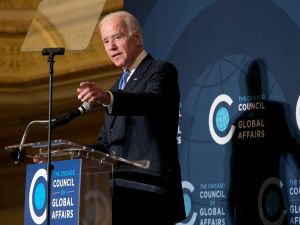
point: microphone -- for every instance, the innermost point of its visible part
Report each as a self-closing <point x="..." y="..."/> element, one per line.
<point x="85" y="107"/>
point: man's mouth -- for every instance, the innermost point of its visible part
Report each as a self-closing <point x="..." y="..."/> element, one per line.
<point x="115" y="55"/>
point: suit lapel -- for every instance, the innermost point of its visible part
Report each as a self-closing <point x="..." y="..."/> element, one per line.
<point x="133" y="81"/>
<point x="138" y="73"/>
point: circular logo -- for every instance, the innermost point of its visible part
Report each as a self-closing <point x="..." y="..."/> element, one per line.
<point x="191" y="216"/>
<point x="37" y="197"/>
<point x="187" y="204"/>
<point x="270" y="202"/>
<point x="222" y="119"/>
<point x="40" y="196"/>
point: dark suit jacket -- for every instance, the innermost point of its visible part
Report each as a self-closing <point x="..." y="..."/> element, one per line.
<point x="143" y="125"/>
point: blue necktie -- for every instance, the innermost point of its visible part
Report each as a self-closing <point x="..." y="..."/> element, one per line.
<point x="123" y="80"/>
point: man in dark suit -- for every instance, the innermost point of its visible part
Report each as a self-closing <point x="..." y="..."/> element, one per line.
<point x="141" y="122"/>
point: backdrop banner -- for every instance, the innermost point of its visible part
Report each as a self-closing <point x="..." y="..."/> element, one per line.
<point x="239" y="74"/>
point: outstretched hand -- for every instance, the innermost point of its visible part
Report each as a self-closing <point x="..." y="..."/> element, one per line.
<point x="90" y="92"/>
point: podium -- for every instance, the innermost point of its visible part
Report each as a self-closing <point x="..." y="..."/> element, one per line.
<point x="91" y="186"/>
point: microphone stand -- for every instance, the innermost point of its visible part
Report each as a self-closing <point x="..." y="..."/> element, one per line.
<point x="50" y="52"/>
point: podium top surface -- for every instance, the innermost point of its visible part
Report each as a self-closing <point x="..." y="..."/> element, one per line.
<point x="63" y="149"/>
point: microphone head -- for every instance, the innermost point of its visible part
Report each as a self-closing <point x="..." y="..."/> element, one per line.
<point x="86" y="106"/>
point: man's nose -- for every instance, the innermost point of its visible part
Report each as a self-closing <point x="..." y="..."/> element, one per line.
<point x="112" y="45"/>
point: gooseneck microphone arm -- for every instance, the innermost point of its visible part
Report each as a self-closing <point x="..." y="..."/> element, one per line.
<point x="19" y="153"/>
<point x="85" y="107"/>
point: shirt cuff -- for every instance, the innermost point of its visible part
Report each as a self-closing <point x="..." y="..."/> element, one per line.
<point x="110" y="105"/>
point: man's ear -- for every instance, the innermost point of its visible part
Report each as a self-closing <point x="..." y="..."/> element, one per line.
<point x="138" y="38"/>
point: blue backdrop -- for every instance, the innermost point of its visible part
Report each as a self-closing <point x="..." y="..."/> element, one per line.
<point x="238" y="62"/>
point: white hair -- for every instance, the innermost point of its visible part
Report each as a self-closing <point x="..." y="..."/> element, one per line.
<point x="129" y="19"/>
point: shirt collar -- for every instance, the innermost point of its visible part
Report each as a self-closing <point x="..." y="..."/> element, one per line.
<point x="137" y="61"/>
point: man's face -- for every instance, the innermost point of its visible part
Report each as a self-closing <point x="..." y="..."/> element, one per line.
<point x="121" y="47"/>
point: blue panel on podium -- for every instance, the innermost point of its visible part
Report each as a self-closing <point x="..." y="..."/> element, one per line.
<point x="64" y="193"/>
